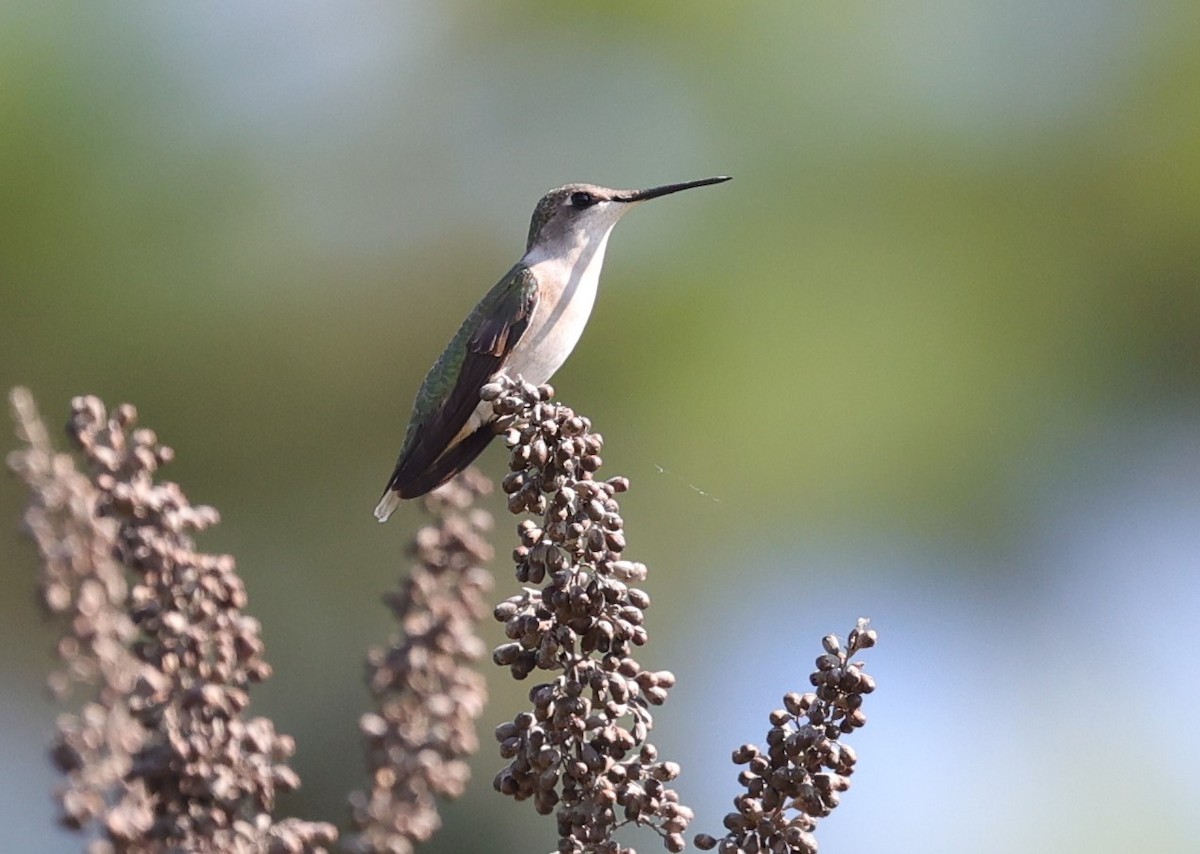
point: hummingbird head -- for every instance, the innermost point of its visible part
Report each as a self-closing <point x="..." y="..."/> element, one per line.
<point x="578" y="213"/>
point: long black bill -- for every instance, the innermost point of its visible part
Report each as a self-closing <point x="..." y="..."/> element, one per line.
<point x="667" y="189"/>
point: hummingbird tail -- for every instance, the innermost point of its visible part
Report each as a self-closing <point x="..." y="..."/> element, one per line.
<point x="450" y="463"/>
<point x="406" y="484"/>
<point x="387" y="505"/>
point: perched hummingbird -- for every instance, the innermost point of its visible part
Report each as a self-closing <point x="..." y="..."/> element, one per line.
<point x="525" y="326"/>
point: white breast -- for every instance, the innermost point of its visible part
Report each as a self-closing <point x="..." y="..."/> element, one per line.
<point x="567" y="291"/>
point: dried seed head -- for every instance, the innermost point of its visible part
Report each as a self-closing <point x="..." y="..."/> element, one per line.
<point x="428" y="692"/>
<point x="799" y="777"/>
<point x="589" y="761"/>
<point x="162" y="757"/>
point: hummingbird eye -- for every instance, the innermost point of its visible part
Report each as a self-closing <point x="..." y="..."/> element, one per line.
<point x="582" y="199"/>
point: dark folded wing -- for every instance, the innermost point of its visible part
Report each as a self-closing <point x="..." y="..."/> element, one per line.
<point x="451" y="391"/>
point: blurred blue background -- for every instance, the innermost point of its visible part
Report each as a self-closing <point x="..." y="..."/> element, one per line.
<point x="933" y="357"/>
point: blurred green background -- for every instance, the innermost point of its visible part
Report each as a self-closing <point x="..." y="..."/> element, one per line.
<point x="932" y="357"/>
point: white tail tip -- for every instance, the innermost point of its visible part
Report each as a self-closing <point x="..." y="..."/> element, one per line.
<point x="387" y="505"/>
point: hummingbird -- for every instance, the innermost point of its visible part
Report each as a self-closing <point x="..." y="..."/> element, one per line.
<point x="525" y="326"/>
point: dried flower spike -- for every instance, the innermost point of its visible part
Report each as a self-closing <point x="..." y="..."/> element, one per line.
<point x="162" y="757"/>
<point x="427" y="690"/>
<point x="799" y="777"/>
<point x="581" y="751"/>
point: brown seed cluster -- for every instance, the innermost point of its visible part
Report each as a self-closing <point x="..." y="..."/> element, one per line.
<point x="162" y="757"/>
<point x="800" y="776"/>
<point x="427" y="690"/>
<point x="582" y="750"/>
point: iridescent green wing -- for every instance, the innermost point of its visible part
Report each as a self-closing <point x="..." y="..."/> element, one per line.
<point x="450" y="392"/>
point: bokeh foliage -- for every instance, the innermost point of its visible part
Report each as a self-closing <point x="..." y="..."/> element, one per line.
<point x="961" y="239"/>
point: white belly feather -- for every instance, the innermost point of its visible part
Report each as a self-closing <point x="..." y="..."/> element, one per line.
<point x="567" y="291"/>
